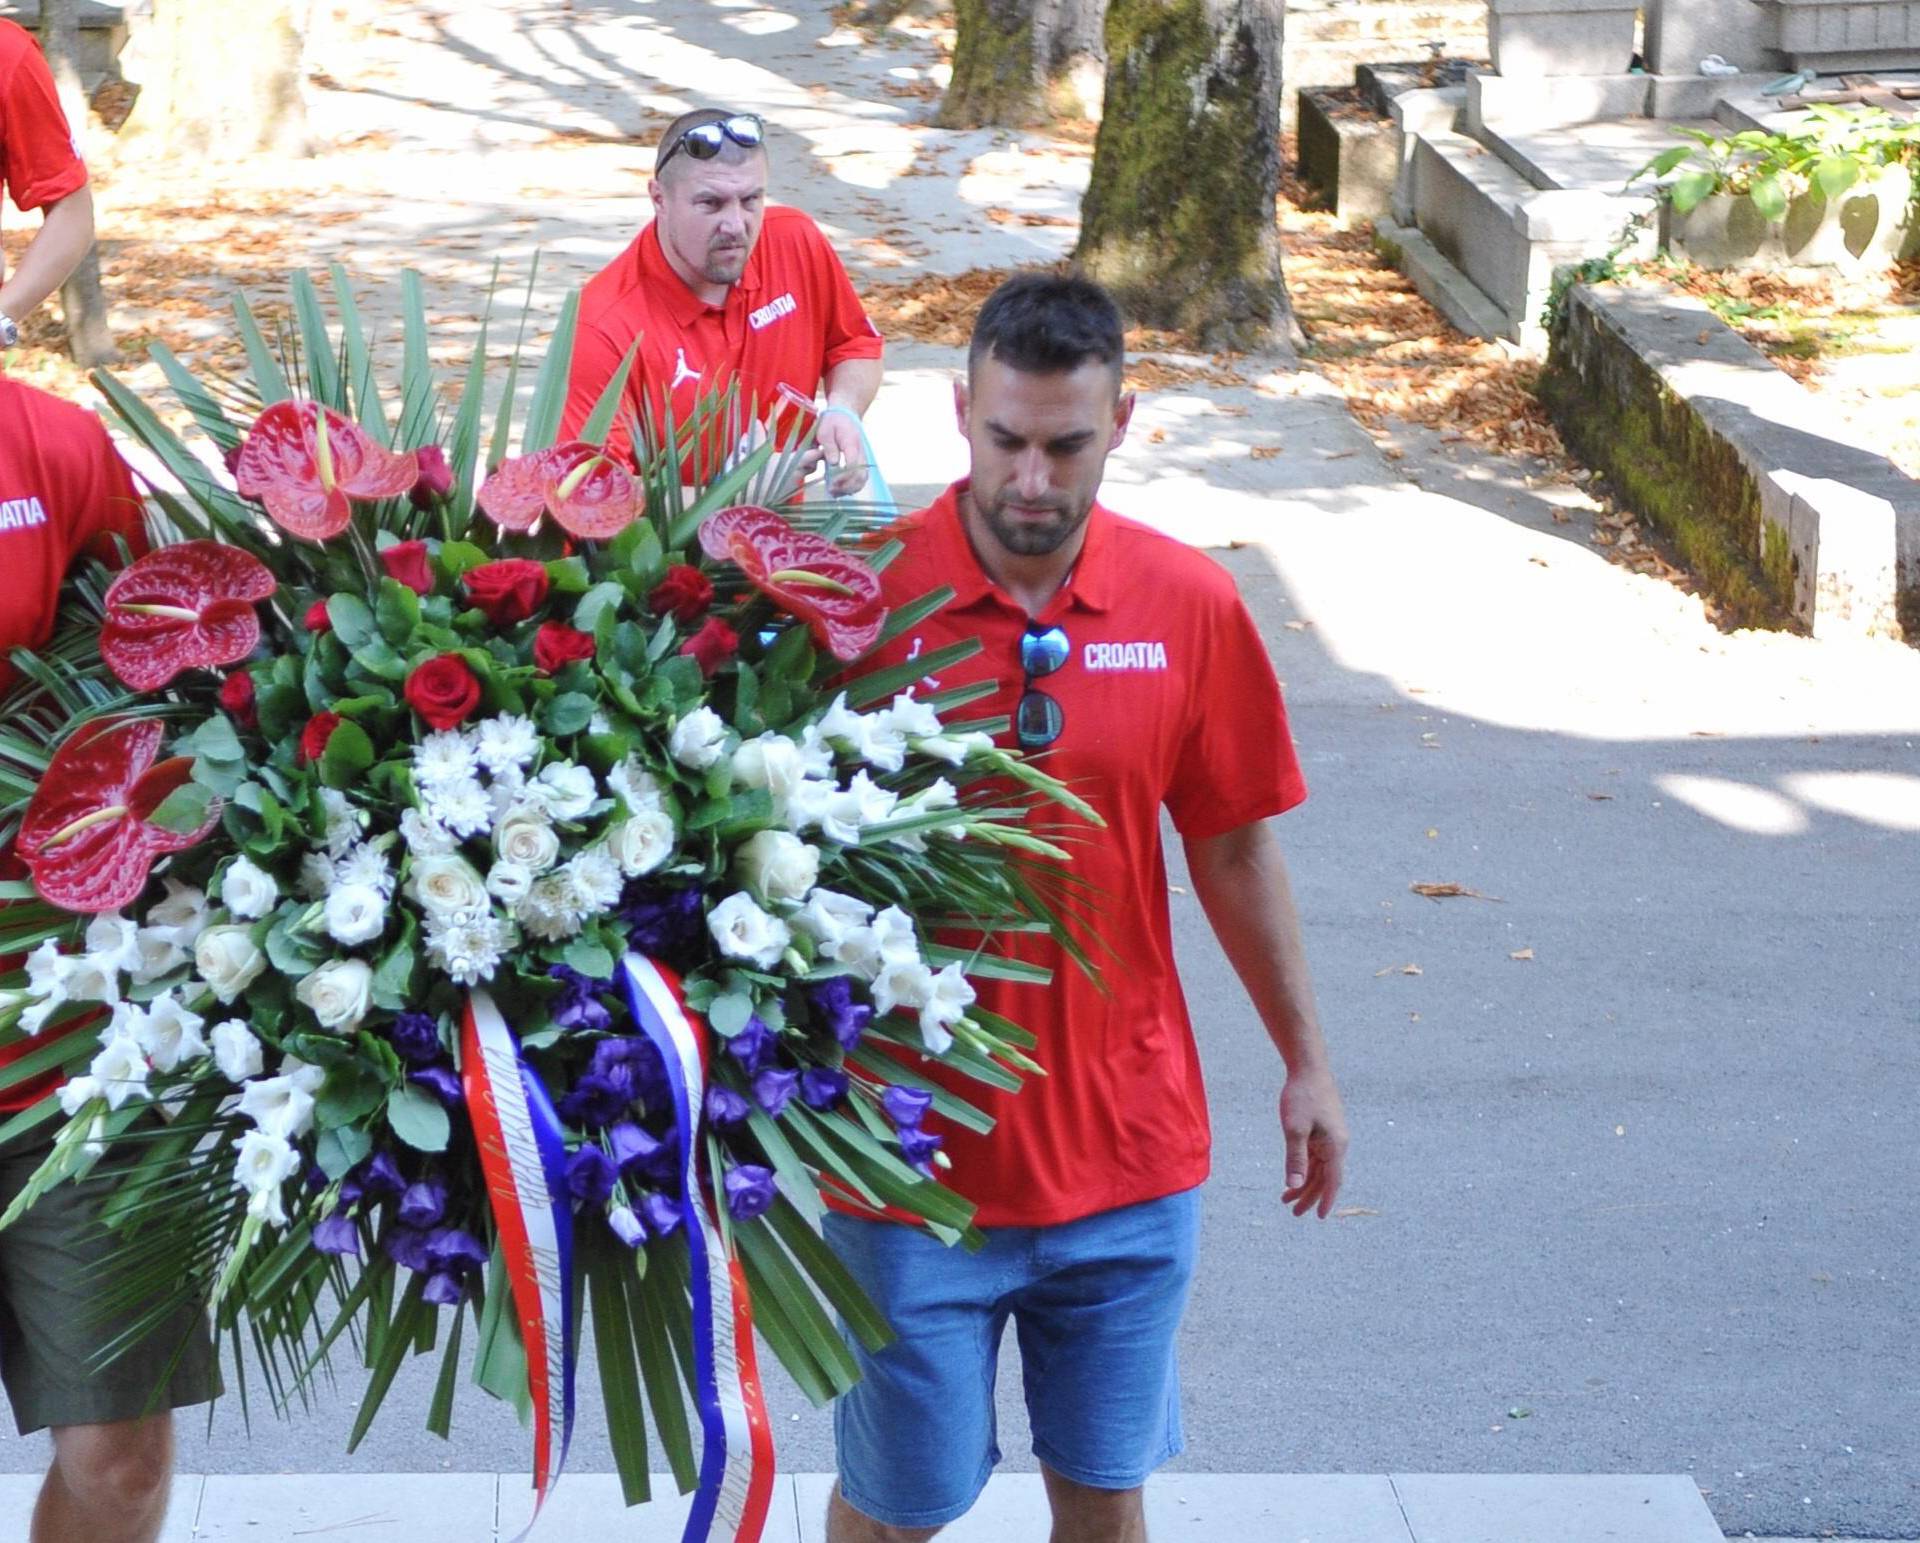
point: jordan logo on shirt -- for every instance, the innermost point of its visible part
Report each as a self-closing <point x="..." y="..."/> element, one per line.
<point x="931" y="682"/>
<point x="22" y="513"/>
<point x="683" y="373"/>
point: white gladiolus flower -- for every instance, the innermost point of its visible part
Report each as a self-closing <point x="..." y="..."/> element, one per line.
<point x="911" y="718"/>
<point x="183" y="908"/>
<point x="829" y="917"/>
<point x="527" y="837"/>
<point x="90" y="980"/>
<point x="948" y="998"/>
<point x="316" y="876"/>
<point x="248" y="891"/>
<point x="551" y="910"/>
<point x="467" y="947"/>
<point x="893" y="936"/>
<point x="773" y="762"/>
<point x="277" y="1107"/>
<point x="884" y="747"/>
<point x="777" y="865"/>
<point x="304" y="1075"/>
<point x="366" y="865"/>
<point x="235" y="1051"/>
<point x="816" y="755"/>
<point x="265" y="1163"/>
<point x="566" y="791"/>
<point x="338" y="994"/>
<point x="843" y="726"/>
<point x="162" y="950"/>
<point x="509" y="883"/>
<point x="356" y="913"/>
<point x="858" y="948"/>
<point x="76" y="1093"/>
<point x="461" y="808"/>
<point x="635" y="786"/>
<point x="742" y="930"/>
<point x="443" y="759"/>
<point x="954" y="749"/>
<point x="902" y="984"/>
<point x="507" y="744"/>
<point x="268" y="1205"/>
<point x="113" y="941"/>
<point x="941" y="794"/>
<point x="121" y="1070"/>
<point x="440" y="886"/>
<point x="807" y="805"/>
<point x="698" y="740"/>
<point x="642" y="843"/>
<point x="596" y="879"/>
<point x="228" y="961"/>
<point x="861" y="803"/>
<point x="170" y="1034"/>
<point x="343" y="821"/>
<point x="425" y="837"/>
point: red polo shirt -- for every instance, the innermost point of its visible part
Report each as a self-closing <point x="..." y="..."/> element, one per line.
<point x="790" y="319"/>
<point x="64" y="493"/>
<point x="38" y="163"/>
<point x="1169" y="700"/>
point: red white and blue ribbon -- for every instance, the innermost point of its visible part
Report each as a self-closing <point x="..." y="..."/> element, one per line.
<point x="736" y="1464"/>
<point x="524" y="1158"/>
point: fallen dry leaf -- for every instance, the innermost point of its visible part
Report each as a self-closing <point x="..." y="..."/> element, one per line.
<point x="1451" y="892"/>
<point x="1342" y="1212"/>
<point x="1264" y="452"/>
<point x="1297" y="626"/>
<point x="1521" y="953"/>
<point x="1601" y="798"/>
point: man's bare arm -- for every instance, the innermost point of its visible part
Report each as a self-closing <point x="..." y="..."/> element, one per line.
<point x="1241" y="879"/>
<point x="52" y="255"/>
<point x="851" y="384"/>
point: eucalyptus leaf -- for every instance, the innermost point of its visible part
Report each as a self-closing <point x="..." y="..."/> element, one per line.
<point x="418" y="1118"/>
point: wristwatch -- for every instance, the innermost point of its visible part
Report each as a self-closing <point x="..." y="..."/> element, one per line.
<point x="9" y="331"/>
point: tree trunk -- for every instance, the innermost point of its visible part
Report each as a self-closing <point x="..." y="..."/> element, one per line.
<point x="1179" y="217"/>
<point x="89" y="333"/>
<point x="1021" y="61"/>
<point x="219" y="79"/>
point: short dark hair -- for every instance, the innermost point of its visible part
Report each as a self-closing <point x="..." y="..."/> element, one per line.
<point x="1049" y="323"/>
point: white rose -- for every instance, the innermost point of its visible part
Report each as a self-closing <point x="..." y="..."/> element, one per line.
<point x="641" y="844"/>
<point x="565" y="790"/>
<point x="278" y="1107"/>
<point x="235" y="1051"/>
<point x="742" y="930"/>
<point x="509" y="882"/>
<point x="773" y="762"/>
<point x="902" y="984"/>
<point x="425" y="837"/>
<point x="526" y="837"/>
<point x="114" y="942"/>
<point x="247" y="890"/>
<point x="777" y="866"/>
<point x="339" y="993"/>
<point x="829" y="917"/>
<point x="948" y="998"/>
<point x="442" y="885"/>
<point x="698" y="739"/>
<point x="227" y="961"/>
<point x="121" y="1071"/>
<point x="356" y="913"/>
<point x="170" y="1034"/>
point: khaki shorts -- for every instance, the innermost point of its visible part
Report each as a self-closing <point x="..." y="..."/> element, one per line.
<point x="52" y="1260"/>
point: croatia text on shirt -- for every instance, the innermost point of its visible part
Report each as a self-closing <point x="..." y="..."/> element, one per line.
<point x="1125" y="656"/>
<point x="772" y="311"/>
<point x="22" y="513"/>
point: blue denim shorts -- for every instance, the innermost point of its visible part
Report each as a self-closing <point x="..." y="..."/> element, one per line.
<point x="1095" y="1305"/>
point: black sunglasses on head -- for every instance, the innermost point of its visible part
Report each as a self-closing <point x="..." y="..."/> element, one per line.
<point x="1039" y="720"/>
<point x="703" y="141"/>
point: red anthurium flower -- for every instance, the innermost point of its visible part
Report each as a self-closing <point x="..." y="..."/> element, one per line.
<point x="407" y="562"/>
<point x="508" y="590"/>
<point x="314" y="737"/>
<point x="183" y="607"/>
<point x="305" y="462"/>
<point x="557" y="644"/>
<point x="712" y="646"/>
<point x="834" y="592"/>
<point x="589" y="493"/>
<point x="237" y="697"/>
<point x="85" y="836"/>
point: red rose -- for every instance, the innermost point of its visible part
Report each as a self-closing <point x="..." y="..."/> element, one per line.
<point x="407" y="562"/>
<point x="443" y="691"/>
<point x="556" y="644"/>
<point x="314" y="737"/>
<point x="236" y="696"/>
<point x="436" y="478"/>
<point x="712" y="646"/>
<point x="509" y="590"/>
<point x="685" y="592"/>
<point x="316" y="619"/>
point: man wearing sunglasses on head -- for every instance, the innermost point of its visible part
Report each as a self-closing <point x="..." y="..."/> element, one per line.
<point x="1126" y="661"/>
<point x="721" y="289"/>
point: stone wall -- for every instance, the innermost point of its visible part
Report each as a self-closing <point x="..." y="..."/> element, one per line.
<point x="1327" y="39"/>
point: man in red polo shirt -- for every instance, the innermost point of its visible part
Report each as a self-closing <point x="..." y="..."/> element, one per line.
<point x="39" y="169"/>
<point x="720" y="289"/>
<point x="64" y="494"/>
<point x="1128" y="661"/>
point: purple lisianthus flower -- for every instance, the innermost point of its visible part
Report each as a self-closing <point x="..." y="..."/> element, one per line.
<point x="821" y="1087"/>
<point x="424" y="1204"/>
<point x="726" y="1107"/>
<point x="452" y="1251"/>
<point x="407" y="1246"/>
<point x="598" y="1100"/>
<point x="590" y="1175"/>
<point x="750" y="1190"/>
<point x="626" y="1226"/>
<point x="752" y="1045"/>
<point x="372" y="1178"/>
<point x="443" y="1289"/>
<point x="337" y="1235"/>
<point x="906" y="1106"/>
<point x="833" y="1000"/>
<point x="578" y="1005"/>
<point x="441" y="1082"/>
<point x="773" y="1090"/>
<point x="661" y="923"/>
<point x="635" y="1148"/>
<point x="918" y="1147"/>
<point x="417" y="1037"/>
<point x="662" y="1214"/>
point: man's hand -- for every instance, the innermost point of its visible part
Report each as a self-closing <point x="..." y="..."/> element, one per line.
<point x="1315" y="1125"/>
<point x="838" y="438"/>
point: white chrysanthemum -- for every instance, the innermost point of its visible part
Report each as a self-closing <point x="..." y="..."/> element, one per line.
<point x="278" y="1107"/>
<point x="121" y="1070"/>
<point x="634" y="785"/>
<point x="343" y="821"/>
<point x="182" y="908"/>
<point x="248" y="890"/>
<point x="307" y="1077"/>
<point x="509" y="883"/>
<point x="564" y="790"/>
<point x="368" y="866"/>
<point x="316" y="876"/>
<point x="463" y="808"/>
<point x="949" y="995"/>
<point x="551" y="910"/>
<point x="114" y="942"/>
<point x="597" y="880"/>
<point x="699" y="739"/>
<point x="425" y="837"/>
<point x="742" y="930"/>
<point x="467" y="948"/>
<point x="235" y="1051"/>
<point x="170" y="1034"/>
<point x="507" y="743"/>
<point x="444" y="759"/>
<point x="356" y="914"/>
